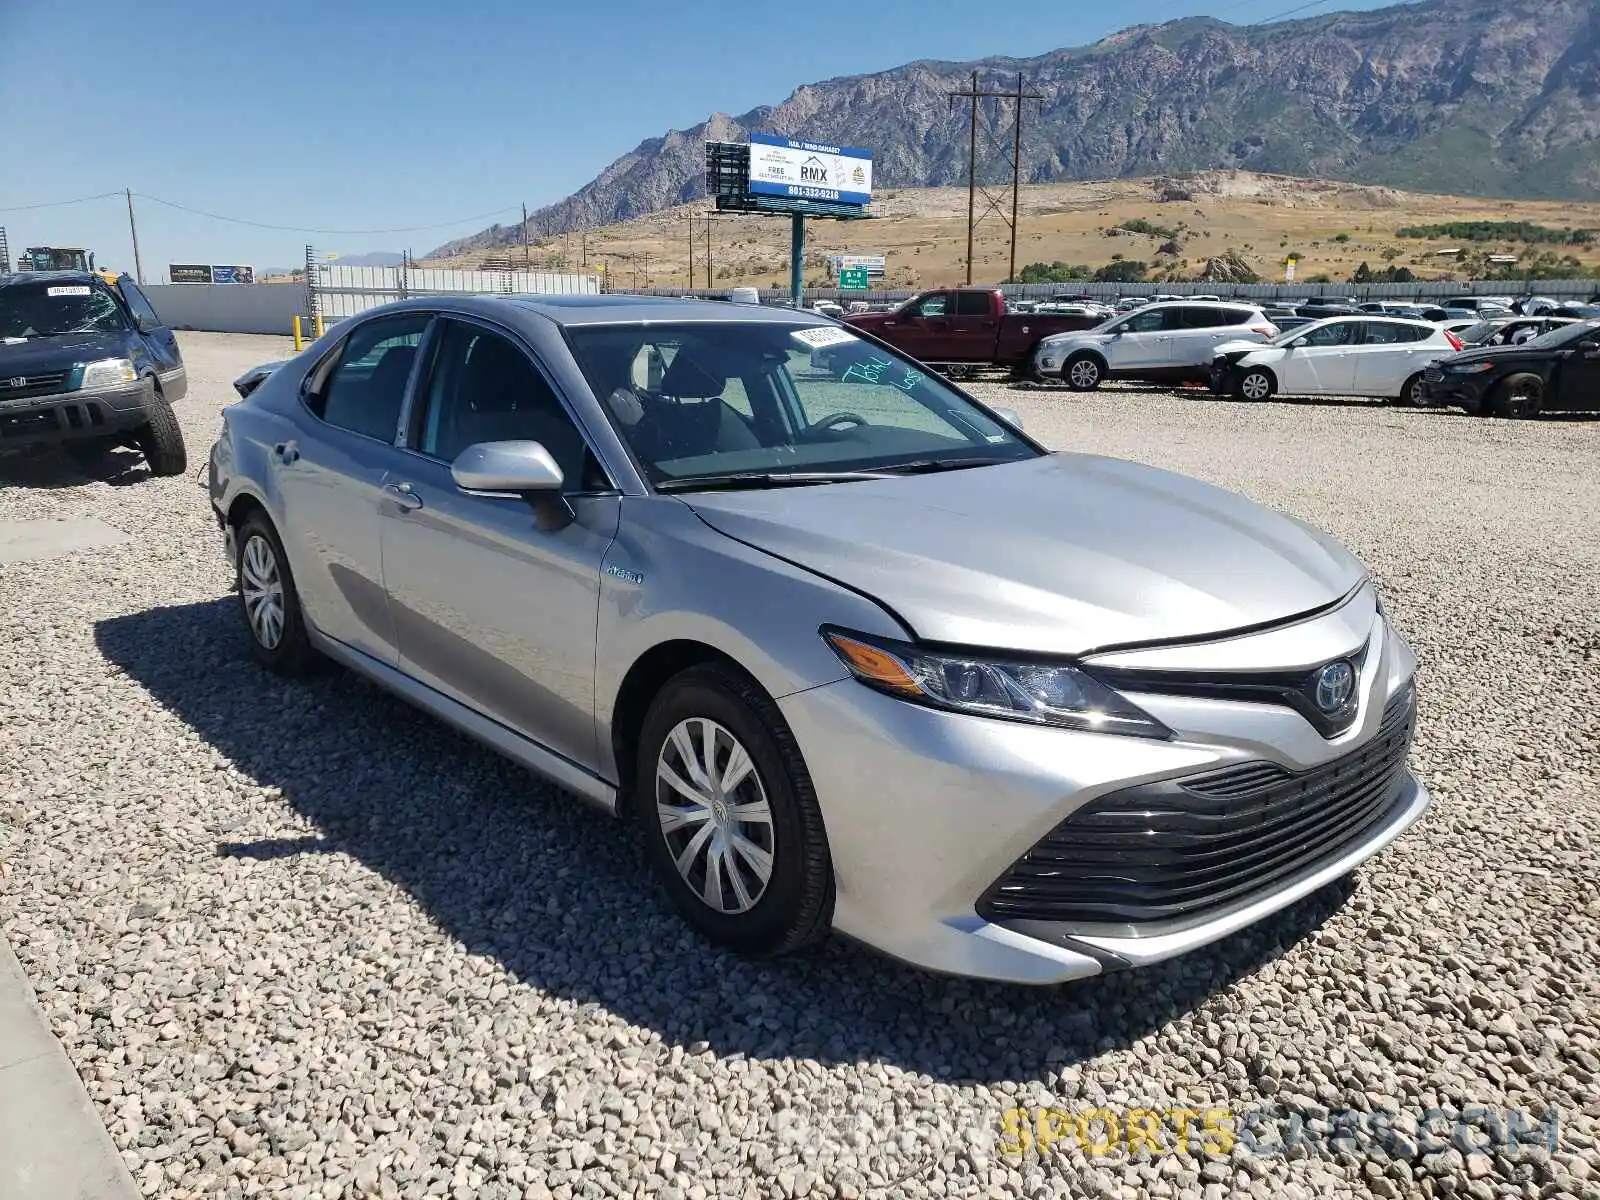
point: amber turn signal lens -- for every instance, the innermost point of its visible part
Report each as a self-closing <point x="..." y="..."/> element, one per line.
<point x="874" y="665"/>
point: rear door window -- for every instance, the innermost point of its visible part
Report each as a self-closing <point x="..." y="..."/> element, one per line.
<point x="366" y="388"/>
<point x="973" y="304"/>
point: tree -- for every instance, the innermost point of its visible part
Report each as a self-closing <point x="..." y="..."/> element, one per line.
<point x="1126" y="271"/>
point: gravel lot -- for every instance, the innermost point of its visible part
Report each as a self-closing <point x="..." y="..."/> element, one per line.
<point x="301" y="941"/>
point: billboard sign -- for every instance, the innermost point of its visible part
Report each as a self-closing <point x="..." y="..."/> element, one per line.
<point x="875" y="265"/>
<point x="206" y="273"/>
<point x="793" y="167"/>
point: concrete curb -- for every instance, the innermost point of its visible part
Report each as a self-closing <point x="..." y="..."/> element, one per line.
<point x="52" y="1144"/>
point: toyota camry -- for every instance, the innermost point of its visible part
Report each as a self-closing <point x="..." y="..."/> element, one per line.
<point x="851" y="650"/>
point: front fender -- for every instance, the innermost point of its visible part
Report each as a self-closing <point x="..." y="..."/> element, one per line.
<point x="670" y="577"/>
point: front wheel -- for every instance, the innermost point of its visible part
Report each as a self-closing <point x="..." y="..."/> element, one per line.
<point x="160" y="439"/>
<point x="731" y="822"/>
<point x="1256" y="384"/>
<point x="1083" y="373"/>
<point x="1519" y="396"/>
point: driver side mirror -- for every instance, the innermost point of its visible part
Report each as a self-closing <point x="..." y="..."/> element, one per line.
<point x="1589" y="346"/>
<point x="1298" y="343"/>
<point x="146" y="324"/>
<point x="515" y="469"/>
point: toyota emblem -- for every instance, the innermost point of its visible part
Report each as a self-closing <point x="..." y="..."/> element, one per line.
<point x="1334" y="687"/>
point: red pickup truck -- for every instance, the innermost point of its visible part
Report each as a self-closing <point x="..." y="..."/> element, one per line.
<point x="966" y="327"/>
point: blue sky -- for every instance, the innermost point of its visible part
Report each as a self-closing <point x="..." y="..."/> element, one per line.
<point x="399" y="113"/>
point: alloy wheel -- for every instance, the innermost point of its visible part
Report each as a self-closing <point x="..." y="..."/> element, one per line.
<point x="1255" y="386"/>
<point x="262" y="588"/>
<point x="714" y="815"/>
<point x="1083" y="373"/>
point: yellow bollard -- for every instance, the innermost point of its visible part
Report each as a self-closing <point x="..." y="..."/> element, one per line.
<point x="317" y="324"/>
<point x="299" y="341"/>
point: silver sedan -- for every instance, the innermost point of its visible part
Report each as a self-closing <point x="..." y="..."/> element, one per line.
<point x="849" y="648"/>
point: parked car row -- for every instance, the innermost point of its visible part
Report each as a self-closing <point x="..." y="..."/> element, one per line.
<point x="1338" y="356"/>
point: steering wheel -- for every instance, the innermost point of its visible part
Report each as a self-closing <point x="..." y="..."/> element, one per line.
<point x="837" y="419"/>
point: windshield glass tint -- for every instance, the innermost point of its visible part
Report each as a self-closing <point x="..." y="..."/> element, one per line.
<point x="1563" y="334"/>
<point x="713" y="399"/>
<point x="31" y="311"/>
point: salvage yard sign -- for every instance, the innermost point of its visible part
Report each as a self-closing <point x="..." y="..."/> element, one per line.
<point x="781" y="166"/>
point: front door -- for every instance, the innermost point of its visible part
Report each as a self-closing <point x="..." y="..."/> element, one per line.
<point x="1143" y="340"/>
<point x="1577" y="377"/>
<point x="973" y="329"/>
<point x="1388" y="355"/>
<point x="331" y="479"/>
<point x="489" y="607"/>
<point x="1319" y="361"/>
<point x="921" y="329"/>
<point x="157" y="336"/>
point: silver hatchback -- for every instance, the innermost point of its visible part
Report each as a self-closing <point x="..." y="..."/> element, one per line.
<point x="849" y="648"/>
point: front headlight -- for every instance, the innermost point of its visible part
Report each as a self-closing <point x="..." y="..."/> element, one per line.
<point x="108" y="372"/>
<point x="1472" y="368"/>
<point x="1038" y="693"/>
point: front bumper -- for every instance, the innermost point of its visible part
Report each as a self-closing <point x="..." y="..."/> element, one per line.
<point x="1459" y="391"/>
<point x="71" y="416"/>
<point x="927" y="810"/>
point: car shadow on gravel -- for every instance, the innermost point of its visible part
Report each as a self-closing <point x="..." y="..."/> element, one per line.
<point x="559" y="894"/>
<point x="53" y="469"/>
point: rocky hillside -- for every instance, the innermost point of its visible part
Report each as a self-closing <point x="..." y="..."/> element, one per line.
<point x="1479" y="97"/>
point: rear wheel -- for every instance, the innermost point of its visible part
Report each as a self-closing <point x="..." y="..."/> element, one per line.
<point x="1083" y="372"/>
<point x="1256" y="384"/>
<point x="269" y="601"/>
<point x="1414" y="392"/>
<point x="1519" y="396"/>
<point x="160" y="439"/>
<point x="730" y="818"/>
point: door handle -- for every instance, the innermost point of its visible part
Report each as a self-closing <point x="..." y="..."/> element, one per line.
<point x="402" y="495"/>
<point x="287" y="452"/>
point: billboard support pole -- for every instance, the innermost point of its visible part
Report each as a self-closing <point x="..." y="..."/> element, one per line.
<point x="797" y="256"/>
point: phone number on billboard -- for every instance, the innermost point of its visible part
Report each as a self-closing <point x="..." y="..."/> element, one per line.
<point x="813" y="193"/>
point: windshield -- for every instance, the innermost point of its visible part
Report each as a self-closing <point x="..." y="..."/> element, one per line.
<point x="1564" y="334"/>
<point x="713" y="399"/>
<point x="44" y="310"/>
<point x="1475" y="335"/>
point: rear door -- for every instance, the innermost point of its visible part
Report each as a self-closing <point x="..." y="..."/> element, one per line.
<point x="1204" y="329"/>
<point x="1389" y="353"/>
<point x="331" y="475"/>
<point x="973" y="330"/>
<point x="1320" y="361"/>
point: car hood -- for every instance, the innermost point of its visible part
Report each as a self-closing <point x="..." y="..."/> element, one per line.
<point x="1242" y="346"/>
<point x="1492" y="354"/>
<point x="1063" y="554"/>
<point x="61" y="352"/>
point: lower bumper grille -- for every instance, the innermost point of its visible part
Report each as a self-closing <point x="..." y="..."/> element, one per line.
<point x="1178" y="849"/>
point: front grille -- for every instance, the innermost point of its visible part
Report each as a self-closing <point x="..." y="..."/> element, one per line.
<point x="39" y="384"/>
<point x="1176" y="850"/>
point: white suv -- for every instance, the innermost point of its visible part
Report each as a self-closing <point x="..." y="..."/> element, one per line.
<point x="1170" y="342"/>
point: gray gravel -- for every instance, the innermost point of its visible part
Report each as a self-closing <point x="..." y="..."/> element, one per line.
<point x="301" y="941"/>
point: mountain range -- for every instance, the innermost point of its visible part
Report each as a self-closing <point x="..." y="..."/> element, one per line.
<point x="1472" y="97"/>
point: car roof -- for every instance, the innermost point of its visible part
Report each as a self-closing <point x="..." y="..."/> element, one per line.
<point x="570" y="311"/>
<point x="1207" y="303"/>
<point x="26" y="277"/>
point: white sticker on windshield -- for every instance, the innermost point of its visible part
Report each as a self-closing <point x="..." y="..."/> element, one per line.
<point x="823" y="335"/>
<point x="68" y="290"/>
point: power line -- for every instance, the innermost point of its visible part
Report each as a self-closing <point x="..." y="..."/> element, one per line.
<point x="1302" y="8"/>
<point x="307" y="229"/>
<point x="60" y="203"/>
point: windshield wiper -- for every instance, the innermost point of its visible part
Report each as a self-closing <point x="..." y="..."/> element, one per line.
<point x="765" y="479"/>
<point x="927" y="466"/>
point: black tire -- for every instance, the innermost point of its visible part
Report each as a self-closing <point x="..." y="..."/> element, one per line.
<point x="1413" y="393"/>
<point x="1518" y="396"/>
<point x="292" y="654"/>
<point x="795" y="908"/>
<point x="1255" y="384"/>
<point x="1083" y="372"/>
<point x="160" y="439"/>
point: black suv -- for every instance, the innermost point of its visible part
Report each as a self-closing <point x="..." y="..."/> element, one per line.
<point x="1557" y="372"/>
<point x="88" y="363"/>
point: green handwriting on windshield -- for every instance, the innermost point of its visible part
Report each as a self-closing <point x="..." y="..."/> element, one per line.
<point x="871" y="371"/>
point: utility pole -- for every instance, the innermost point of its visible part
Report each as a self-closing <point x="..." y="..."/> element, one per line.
<point x="525" y="251"/>
<point x="689" y="224"/>
<point x="709" y="284"/>
<point x="133" y="229"/>
<point x="974" y="95"/>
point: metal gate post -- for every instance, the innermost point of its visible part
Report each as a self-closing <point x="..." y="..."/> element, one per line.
<point x="797" y="257"/>
<point x="313" y="306"/>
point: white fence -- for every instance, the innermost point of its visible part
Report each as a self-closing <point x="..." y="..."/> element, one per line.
<point x="342" y="291"/>
<point x="228" y="307"/>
